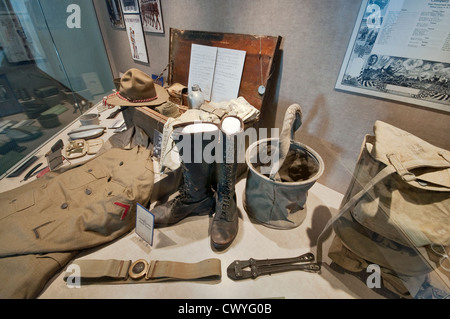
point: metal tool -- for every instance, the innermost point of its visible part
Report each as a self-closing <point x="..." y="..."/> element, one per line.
<point x="30" y="173"/>
<point x="23" y="167"/>
<point x="113" y="114"/>
<point x="304" y="262"/>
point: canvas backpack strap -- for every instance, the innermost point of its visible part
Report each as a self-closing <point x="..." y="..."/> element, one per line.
<point x="292" y="122"/>
<point x="388" y="170"/>
<point x="400" y="168"/>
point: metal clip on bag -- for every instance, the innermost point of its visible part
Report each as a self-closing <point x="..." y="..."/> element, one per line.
<point x="281" y="171"/>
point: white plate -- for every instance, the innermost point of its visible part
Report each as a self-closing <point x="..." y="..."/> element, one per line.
<point x="86" y="132"/>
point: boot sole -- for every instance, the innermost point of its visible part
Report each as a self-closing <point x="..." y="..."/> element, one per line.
<point x="176" y="222"/>
<point x="223" y="246"/>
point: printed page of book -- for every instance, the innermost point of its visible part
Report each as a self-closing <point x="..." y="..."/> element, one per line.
<point x="228" y="74"/>
<point x="201" y="68"/>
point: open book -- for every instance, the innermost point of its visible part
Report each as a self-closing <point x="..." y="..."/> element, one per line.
<point x="217" y="71"/>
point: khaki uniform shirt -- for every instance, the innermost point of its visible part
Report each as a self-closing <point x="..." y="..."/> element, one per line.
<point x="45" y="222"/>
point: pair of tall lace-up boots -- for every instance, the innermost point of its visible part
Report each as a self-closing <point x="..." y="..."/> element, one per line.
<point x="209" y="159"/>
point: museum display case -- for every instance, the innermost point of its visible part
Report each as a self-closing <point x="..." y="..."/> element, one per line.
<point x="218" y="158"/>
<point x="52" y="70"/>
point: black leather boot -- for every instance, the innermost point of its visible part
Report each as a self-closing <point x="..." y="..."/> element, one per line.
<point x="195" y="195"/>
<point x="225" y="223"/>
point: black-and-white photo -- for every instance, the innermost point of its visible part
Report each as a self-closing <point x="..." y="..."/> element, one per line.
<point x="130" y="6"/>
<point x="151" y="14"/>
<point x="115" y="13"/>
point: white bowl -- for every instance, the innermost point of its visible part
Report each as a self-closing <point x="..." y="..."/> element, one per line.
<point x="89" y="119"/>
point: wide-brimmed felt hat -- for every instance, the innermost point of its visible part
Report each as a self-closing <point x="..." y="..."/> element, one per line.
<point x="137" y="89"/>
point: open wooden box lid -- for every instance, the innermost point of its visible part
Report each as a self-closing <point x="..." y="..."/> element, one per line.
<point x="260" y="59"/>
<point x="258" y="65"/>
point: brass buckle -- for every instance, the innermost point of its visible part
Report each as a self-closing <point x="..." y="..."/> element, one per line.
<point x="138" y="269"/>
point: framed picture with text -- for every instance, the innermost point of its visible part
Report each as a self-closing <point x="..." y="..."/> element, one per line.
<point x="400" y="50"/>
<point x="136" y="38"/>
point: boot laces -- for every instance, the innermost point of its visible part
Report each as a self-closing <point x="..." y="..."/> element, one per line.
<point x="185" y="185"/>
<point x="226" y="191"/>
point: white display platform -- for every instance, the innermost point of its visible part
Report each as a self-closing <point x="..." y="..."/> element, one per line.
<point x="189" y="241"/>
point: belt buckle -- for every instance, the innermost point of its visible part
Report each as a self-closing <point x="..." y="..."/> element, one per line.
<point x="138" y="269"/>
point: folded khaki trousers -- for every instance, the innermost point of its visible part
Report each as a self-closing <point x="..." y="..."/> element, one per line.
<point x="45" y="222"/>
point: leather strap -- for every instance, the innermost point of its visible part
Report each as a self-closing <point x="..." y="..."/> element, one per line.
<point x="114" y="271"/>
<point x="292" y="122"/>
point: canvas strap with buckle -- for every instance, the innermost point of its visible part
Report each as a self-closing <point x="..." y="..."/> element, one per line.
<point x="114" y="271"/>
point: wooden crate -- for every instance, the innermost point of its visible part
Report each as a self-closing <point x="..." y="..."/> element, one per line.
<point x="261" y="58"/>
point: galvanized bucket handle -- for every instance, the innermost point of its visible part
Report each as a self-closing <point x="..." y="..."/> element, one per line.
<point x="292" y="122"/>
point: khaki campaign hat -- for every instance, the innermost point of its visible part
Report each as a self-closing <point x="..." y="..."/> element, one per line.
<point x="137" y="89"/>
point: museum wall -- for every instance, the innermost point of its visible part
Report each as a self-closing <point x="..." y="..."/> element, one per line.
<point x="316" y="34"/>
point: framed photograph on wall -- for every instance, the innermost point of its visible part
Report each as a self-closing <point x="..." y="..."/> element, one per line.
<point x="400" y="50"/>
<point x="115" y="13"/>
<point x="136" y="38"/>
<point x="130" y="6"/>
<point x="151" y="14"/>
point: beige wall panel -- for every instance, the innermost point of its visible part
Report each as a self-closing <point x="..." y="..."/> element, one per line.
<point x="316" y="34"/>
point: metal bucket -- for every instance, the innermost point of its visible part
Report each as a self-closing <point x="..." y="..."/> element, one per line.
<point x="276" y="196"/>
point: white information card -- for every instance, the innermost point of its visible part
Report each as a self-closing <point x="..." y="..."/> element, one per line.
<point x="145" y="222"/>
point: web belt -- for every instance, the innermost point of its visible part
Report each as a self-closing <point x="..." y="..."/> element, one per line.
<point x="114" y="271"/>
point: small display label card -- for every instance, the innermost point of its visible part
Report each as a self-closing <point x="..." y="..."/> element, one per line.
<point x="145" y="222"/>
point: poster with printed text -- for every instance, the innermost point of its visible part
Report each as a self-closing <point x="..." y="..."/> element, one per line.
<point x="400" y="50"/>
<point x="151" y="14"/>
<point x="136" y="38"/>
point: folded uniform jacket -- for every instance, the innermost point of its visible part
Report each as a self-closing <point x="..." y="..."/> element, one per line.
<point x="45" y="222"/>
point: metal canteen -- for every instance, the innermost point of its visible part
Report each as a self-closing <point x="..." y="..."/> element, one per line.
<point x="195" y="97"/>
